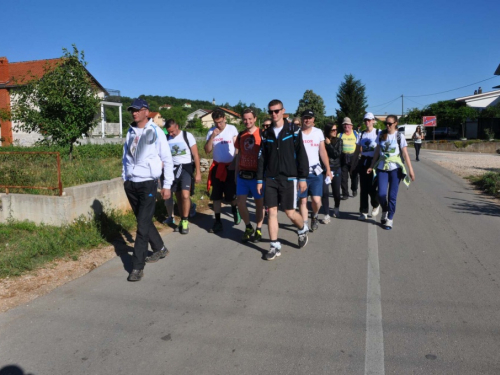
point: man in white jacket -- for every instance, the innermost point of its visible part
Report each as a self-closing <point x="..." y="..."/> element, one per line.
<point x="146" y="155"/>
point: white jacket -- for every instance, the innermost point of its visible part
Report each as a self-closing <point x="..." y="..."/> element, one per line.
<point x="151" y="153"/>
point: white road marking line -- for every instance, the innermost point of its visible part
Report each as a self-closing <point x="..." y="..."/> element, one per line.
<point x="374" y="351"/>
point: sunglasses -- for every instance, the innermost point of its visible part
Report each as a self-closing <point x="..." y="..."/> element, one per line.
<point x="389" y="123"/>
<point x="275" y="111"/>
<point x="333" y="130"/>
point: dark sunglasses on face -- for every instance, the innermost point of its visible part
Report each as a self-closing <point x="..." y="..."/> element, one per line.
<point x="333" y="130"/>
<point x="275" y="111"/>
<point x="389" y="123"/>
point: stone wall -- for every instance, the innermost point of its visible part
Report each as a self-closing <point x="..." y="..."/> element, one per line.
<point x="480" y="147"/>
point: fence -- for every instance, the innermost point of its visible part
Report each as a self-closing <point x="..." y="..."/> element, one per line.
<point x="30" y="170"/>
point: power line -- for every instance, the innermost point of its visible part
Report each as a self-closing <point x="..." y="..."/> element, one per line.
<point x="442" y="92"/>
<point x="379" y="105"/>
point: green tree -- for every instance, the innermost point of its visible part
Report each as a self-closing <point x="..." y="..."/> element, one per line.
<point x="413" y="116"/>
<point x="62" y="105"/>
<point x="312" y="101"/>
<point x="178" y="114"/>
<point x="352" y="100"/>
<point x="451" y="114"/>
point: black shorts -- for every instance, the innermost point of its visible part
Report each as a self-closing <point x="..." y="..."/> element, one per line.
<point x="281" y="190"/>
<point x="182" y="181"/>
<point x="223" y="189"/>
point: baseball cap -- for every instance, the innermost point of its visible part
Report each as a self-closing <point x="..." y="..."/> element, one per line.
<point x="347" y="121"/>
<point x="138" y="104"/>
<point x="308" y="113"/>
<point x="369" y="116"/>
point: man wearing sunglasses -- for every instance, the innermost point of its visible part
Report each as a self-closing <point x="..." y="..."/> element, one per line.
<point x="282" y="160"/>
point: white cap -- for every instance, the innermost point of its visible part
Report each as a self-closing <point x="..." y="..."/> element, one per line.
<point x="369" y="116"/>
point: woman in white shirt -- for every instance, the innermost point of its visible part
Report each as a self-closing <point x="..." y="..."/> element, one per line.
<point x="417" y="137"/>
<point x="388" y="166"/>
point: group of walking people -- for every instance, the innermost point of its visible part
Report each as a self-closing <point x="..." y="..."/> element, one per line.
<point x="280" y="164"/>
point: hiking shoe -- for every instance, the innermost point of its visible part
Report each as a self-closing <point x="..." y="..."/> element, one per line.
<point x="314" y="224"/>
<point x="247" y="235"/>
<point x="326" y="219"/>
<point x="169" y="221"/>
<point x="237" y="217"/>
<point x="217" y="227"/>
<point x="303" y="237"/>
<point x="336" y="212"/>
<point x="257" y="236"/>
<point x="375" y="211"/>
<point x="273" y="253"/>
<point x="183" y="227"/>
<point x="354" y="193"/>
<point x="135" y="275"/>
<point x="388" y="224"/>
<point x="157" y="255"/>
<point x="362" y="217"/>
<point x="383" y="219"/>
<point x="192" y="211"/>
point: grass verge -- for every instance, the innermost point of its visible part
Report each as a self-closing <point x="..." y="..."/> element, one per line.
<point x="488" y="182"/>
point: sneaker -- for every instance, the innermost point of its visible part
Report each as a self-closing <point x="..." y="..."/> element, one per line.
<point x="326" y="219"/>
<point x="247" y="235"/>
<point x="273" y="253"/>
<point x="135" y="275"/>
<point x="169" y="221"/>
<point x="303" y="237"/>
<point x="375" y="211"/>
<point x="336" y="212"/>
<point x="362" y="217"/>
<point x="217" y="227"/>
<point x="183" y="227"/>
<point x="383" y="219"/>
<point x="314" y="224"/>
<point x="388" y="224"/>
<point x="354" y="193"/>
<point x="237" y="217"/>
<point x="192" y="211"/>
<point x="157" y="255"/>
<point x="257" y="236"/>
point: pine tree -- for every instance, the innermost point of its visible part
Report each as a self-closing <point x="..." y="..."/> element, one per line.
<point x="352" y="100"/>
<point x="312" y="101"/>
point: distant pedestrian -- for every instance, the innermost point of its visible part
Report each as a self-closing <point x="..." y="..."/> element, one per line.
<point x="186" y="170"/>
<point x="282" y="160"/>
<point x="417" y="138"/>
<point x="248" y="145"/>
<point x="349" y="138"/>
<point x="145" y="154"/>
<point x="388" y="166"/>
<point x="333" y="146"/>
<point x="221" y="177"/>
<point x="365" y="147"/>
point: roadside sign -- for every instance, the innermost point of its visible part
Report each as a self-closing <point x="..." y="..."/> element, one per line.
<point x="429" y="121"/>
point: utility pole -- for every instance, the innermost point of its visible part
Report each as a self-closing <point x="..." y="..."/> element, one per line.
<point x="402" y="105"/>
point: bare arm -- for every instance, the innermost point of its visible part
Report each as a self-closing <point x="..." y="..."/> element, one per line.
<point x="209" y="144"/>
<point x="196" y="157"/>
<point x="408" y="162"/>
<point x="376" y="155"/>
<point x="324" y="158"/>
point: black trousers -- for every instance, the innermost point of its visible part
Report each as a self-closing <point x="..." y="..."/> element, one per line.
<point x="417" y="149"/>
<point x="346" y="168"/>
<point x="368" y="189"/>
<point x="325" y="201"/>
<point x="142" y="198"/>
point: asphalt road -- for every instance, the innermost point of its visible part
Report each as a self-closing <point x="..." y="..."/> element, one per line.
<point x="423" y="298"/>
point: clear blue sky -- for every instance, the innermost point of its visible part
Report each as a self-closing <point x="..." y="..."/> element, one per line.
<point x="261" y="50"/>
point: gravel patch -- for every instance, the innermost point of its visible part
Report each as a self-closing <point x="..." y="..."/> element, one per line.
<point x="464" y="164"/>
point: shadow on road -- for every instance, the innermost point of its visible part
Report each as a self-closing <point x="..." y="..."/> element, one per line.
<point x="475" y="207"/>
<point x="12" y="370"/>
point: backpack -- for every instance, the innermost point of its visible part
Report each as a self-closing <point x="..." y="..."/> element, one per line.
<point x="355" y="134"/>
<point x="398" y="137"/>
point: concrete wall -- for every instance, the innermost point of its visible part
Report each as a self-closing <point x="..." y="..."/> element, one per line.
<point x="77" y="200"/>
<point x="481" y="147"/>
<point x="110" y="128"/>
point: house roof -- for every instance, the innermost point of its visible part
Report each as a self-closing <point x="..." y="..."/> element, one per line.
<point x="232" y="113"/>
<point x="166" y="106"/>
<point x="497" y="72"/>
<point x="23" y="71"/>
<point x="153" y="114"/>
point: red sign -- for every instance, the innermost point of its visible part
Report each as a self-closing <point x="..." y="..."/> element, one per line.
<point x="429" y="121"/>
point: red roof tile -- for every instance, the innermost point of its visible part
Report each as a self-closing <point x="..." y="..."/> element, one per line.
<point x="24" y="71"/>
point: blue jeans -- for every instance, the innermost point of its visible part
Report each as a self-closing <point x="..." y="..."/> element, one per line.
<point x="391" y="180"/>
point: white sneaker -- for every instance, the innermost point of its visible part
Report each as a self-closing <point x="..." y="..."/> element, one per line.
<point x="326" y="219"/>
<point x="375" y="211"/>
<point x="362" y="217"/>
<point x="336" y="212"/>
<point x="383" y="219"/>
<point x="388" y="224"/>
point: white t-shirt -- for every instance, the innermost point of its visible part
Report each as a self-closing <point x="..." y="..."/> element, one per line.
<point x="311" y="144"/>
<point x="368" y="142"/>
<point x="390" y="147"/>
<point x="223" y="144"/>
<point x="277" y="131"/>
<point x="181" y="152"/>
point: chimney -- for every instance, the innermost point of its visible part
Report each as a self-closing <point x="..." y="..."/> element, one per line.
<point x="4" y="70"/>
